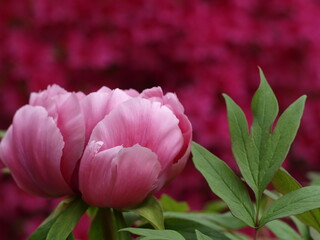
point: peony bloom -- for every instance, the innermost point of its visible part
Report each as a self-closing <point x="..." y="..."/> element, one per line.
<point x="43" y="145"/>
<point x="113" y="147"/>
<point x="140" y="145"/>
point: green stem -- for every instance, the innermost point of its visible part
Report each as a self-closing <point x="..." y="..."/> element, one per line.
<point x="256" y="229"/>
<point x="102" y="226"/>
<point x="120" y="223"/>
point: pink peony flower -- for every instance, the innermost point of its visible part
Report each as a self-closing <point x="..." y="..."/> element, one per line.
<point x="140" y="145"/>
<point x="137" y="143"/>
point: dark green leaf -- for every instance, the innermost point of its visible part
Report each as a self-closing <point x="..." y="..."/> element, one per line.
<point x="285" y="183"/>
<point x="224" y="183"/>
<point x="67" y="220"/>
<point x="293" y="203"/>
<point x="150" y="234"/>
<point x="170" y="205"/>
<point x="151" y="210"/>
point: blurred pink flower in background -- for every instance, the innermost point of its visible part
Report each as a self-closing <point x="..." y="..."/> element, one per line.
<point x="196" y="48"/>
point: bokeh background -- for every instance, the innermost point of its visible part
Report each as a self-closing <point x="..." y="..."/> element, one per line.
<point x="196" y="48"/>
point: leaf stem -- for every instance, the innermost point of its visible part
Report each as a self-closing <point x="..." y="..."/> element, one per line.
<point x="119" y="223"/>
<point x="256" y="229"/>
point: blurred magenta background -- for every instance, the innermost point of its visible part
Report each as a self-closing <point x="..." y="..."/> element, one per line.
<point x="196" y="48"/>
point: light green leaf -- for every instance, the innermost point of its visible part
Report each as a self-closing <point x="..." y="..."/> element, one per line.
<point x="293" y="203"/>
<point x="67" y="220"/>
<point x="284" y="183"/>
<point x="283" y="231"/>
<point x="224" y="183"/>
<point x="201" y="236"/>
<point x="151" y="210"/>
<point x="150" y="234"/>
<point x="170" y="205"/>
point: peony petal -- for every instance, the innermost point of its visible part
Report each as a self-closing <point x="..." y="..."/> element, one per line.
<point x="33" y="151"/>
<point x="46" y="98"/>
<point x="94" y="108"/>
<point x="98" y="104"/>
<point x="137" y="176"/>
<point x="155" y="93"/>
<point x="71" y="123"/>
<point x="140" y="121"/>
<point x="114" y="177"/>
<point x="96" y="174"/>
<point x="20" y="174"/>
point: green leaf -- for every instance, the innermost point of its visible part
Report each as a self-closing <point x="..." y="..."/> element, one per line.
<point x="260" y="153"/>
<point x="67" y="220"/>
<point x="224" y="183"/>
<point x="237" y="236"/>
<point x="264" y="108"/>
<point x="92" y="211"/>
<point x="70" y="237"/>
<point x="150" y="234"/>
<point x="42" y="231"/>
<point x="302" y="228"/>
<point x="5" y="171"/>
<point x="283" y="231"/>
<point x="201" y="236"/>
<point x="285" y="183"/>
<point x="151" y="210"/>
<point x="283" y="136"/>
<point x="215" y="206"/>
<point x="293" y="203"/>
<point x="219" y="222"/>
<point x="186" y="223"/>
<point x="170" y="205"/>
<point x="242" y="143"/>
<point x="2" y="133"/>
